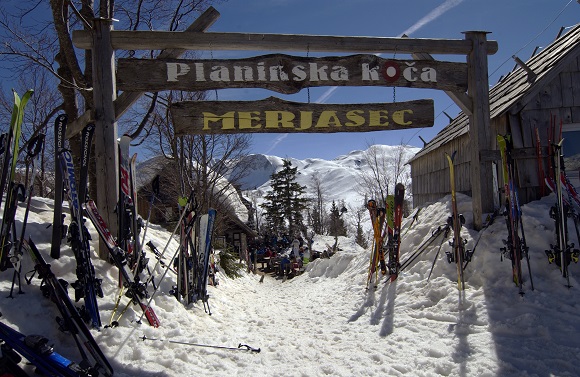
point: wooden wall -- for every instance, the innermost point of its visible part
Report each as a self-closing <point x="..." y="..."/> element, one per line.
<point x="560" y="97"/>
<point x="430" y="173"/>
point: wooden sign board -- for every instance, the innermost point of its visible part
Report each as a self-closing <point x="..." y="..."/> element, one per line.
<point x="274" y="115"/>
<point x="288" y="74"/>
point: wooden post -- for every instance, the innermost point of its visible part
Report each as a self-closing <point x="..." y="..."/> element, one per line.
<point x="127" y="99"/>
<point x="479" y="126"/>
<point x="201" y="24"/>
<point x="106" y="152"/>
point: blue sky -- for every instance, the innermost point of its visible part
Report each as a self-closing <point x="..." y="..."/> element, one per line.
<point x="519" y="26"/>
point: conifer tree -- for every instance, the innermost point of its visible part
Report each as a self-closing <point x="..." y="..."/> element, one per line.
<point x="285" y="202"/>
<point x="361" y="238"/>
<point x="337" y="226"/>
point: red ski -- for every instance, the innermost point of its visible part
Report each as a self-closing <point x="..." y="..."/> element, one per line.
<point x="394" y="250"/>
<point x="136" y="290"/>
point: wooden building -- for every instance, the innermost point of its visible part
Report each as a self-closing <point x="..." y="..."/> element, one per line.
<point x="536" y="92"/>
<point x="229" y="227"/>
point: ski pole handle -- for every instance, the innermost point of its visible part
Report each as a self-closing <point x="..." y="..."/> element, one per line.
<point x="248" y="348"/>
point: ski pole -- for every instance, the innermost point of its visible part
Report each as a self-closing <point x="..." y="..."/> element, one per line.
<point x="190" y="202"/>
<point x="445" y="235"/>
<point x="185" y="210"/>
<point x="421" y="248"/>
<point x="241" y="347"/>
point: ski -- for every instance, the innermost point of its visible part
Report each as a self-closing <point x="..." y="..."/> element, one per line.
<point x="152" y="197"/>
<point x="136" y="290"/>
<point x="36" y="350"/>
<point x="71" y="320"/>
<point x="12" y="142"/>
<point x="125" y="207"/>
<point x="456" y="221"/>
<point x="141" y="254"/>
<point x="515" y="245"/>
<point x="563" y="252"/>
<point x="8" y="228"/>
<point x="378" y="218"/>
<point x="185" y="263"/>
<point x="206" y="230"/>
<point x="32" y="161"/>
<point x="374" y="257"/>
<point x="540" y="162"/>
<point x="189" y="206"/>
<point x="86" y="142"/>
<point x="524" y="249"/>
<point x="390" y="229"/>
<point x="9" y="244"/>
<point x="395" y="252"/>
<point x="8" y="174"/>
<point x="87" y="285"/>
<point x="58" y="227"/>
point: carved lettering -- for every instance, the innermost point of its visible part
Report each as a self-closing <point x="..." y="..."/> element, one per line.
<point x="288" y="74"/>
<point x="174" y="70"/>
<point x="276" y="115"/>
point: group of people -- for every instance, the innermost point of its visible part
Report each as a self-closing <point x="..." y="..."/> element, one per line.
<point x="274" y="250"/>
<point x="293" y="263"/>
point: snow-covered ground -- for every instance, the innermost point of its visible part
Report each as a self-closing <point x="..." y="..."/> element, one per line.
<point x="326" y="323"/>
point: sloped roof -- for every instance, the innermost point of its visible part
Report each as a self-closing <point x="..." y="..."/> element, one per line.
<point x="514" y="91"/>
<point x="147" y="170"/>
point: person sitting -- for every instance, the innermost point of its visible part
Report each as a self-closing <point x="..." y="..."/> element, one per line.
<point x="295" y="266"/>
<point x="284" y="266"/>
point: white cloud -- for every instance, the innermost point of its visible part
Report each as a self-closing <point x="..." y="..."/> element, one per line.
<point x="430" y="17"/>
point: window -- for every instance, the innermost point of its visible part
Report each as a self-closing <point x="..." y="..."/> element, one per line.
<point x="571" y="151"/>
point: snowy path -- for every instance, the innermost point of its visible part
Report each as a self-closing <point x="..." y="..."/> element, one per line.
<point x="324" y="322"/>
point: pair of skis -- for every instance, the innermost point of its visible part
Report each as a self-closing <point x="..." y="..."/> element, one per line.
<point x="516" y="248"/>
<point x="395" y="206"/>
<point x="136" y="290"/>
<point x="8" y="237"/>
<point x="192" y="263"/>
<point x="10" y="146"/>
<point x="129" y="228"/>
<point x="10" y="241"/>
<point x="562" y="253"/>
<point x="87" y="286"/>
<point x="59" y="230"/>
<point x="386" y="224"/>
<point x="458" y="253"/>
<point x="190" y="207"/>
<point x="377" y="216"/>
<point x="94" y="362"/>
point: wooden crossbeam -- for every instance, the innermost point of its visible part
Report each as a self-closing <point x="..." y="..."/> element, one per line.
<point x="157" y="40"/>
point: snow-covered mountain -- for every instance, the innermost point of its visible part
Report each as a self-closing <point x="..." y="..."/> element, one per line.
<point x="339" y="177"/>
